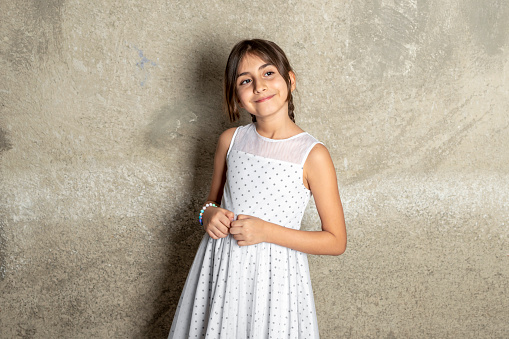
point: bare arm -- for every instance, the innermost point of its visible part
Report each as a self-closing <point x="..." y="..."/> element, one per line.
<point x="216" y="221"/>
<point x="219" y="174"/>
<point x="320" y="177"/>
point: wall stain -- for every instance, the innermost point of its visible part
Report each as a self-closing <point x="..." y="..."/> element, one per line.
<point x="26" y="331"/>
<point x="397" y="27"/>
<point x="489" y="23"/>
<point x="37" y="34"/>
<point x="387" y="35"/>
<point x="185" y="118"/>
<point x="5" y="143"/>
<point x="166" y="123"/>
<point x="144" y="60"/>
<point x="142" y="63"/>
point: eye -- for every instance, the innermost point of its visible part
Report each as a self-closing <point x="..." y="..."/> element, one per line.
<point x="244" y="82"/>
<point x="269" y="73"/>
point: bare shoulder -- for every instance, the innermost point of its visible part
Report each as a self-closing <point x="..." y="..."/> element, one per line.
<point x="225" y="138"/>
<point x="319" y="169"/>
<point x="318" y="156"/>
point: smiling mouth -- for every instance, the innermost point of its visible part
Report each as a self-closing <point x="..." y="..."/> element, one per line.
<point x="265" y="99"/>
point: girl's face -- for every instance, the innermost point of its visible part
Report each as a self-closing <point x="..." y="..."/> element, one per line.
<point x="261" y="90"/>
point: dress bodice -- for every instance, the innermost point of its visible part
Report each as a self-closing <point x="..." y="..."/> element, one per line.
<point x="265" y="176"/>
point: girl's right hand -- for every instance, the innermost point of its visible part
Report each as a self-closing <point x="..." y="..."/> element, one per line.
<point x="216" y="221"/>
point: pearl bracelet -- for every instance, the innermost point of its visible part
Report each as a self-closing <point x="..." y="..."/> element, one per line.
<point x="203" y="210"/>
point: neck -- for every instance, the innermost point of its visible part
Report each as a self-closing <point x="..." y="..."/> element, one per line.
<point x="276" y="127"/>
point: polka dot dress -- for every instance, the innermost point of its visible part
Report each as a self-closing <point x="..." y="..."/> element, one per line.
<point x="262" y="290"/>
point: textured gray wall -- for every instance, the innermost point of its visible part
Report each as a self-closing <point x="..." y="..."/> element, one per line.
<point x="110" y="111"/>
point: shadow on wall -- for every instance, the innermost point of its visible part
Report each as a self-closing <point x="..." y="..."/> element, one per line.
<point x="5" y="144"/>
<point x="197" y="140"/>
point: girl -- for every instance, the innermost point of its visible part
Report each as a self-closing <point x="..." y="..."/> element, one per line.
<point x="250" y="277"/>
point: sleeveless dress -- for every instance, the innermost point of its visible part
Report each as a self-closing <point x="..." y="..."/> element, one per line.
<point x="263" y="290"/>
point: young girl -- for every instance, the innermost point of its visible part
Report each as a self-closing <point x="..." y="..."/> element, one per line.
<point x="250" y="277"/>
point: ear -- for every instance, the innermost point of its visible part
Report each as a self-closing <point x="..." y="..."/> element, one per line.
<point x="292" y="80"/>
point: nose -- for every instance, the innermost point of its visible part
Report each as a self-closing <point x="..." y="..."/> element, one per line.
<point x="260" y="86"/>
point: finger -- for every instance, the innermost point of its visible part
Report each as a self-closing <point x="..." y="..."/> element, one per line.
<point x="230" y="215"/>
<point x="219" y="220"/>
<point x="212" y="235"/>
<point x="243" y="216"/>
<point x="218" y="233"/>
<point x="224" y="220"/>
<point x="238" y="237"/>
<point x="222" y="228"/>
<point x="238" y="223"/>
<point x="214" y="232"/>
<point x="219" y="236"/>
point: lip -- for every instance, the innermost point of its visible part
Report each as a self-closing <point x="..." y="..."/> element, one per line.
<point x="266" y="98"/>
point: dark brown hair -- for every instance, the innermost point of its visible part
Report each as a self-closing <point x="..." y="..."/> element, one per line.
<point x="268" y="52"/>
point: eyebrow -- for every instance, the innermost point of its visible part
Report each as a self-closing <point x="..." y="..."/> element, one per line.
<point x="259" y="68"/>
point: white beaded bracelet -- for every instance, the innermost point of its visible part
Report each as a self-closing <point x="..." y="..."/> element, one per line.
<point x="211" y="204"/>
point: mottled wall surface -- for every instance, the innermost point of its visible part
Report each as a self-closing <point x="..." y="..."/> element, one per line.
<point x="109" y="115"/>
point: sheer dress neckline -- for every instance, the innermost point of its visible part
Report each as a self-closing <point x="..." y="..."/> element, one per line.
<point x="276" y="140"/>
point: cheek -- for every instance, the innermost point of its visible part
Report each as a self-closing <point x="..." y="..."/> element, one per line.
<point x="241" y="95"/>
<point x="283" y="86"/>
<point x="283" y="89"/>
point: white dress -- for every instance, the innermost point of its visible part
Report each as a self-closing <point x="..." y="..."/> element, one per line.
<point x="263" y="290"/>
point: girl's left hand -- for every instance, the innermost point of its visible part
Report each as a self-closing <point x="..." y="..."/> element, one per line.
<point x="248" y="230"/>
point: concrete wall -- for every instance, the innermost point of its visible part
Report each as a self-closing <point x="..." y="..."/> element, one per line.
<point x="109" y="114"/>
